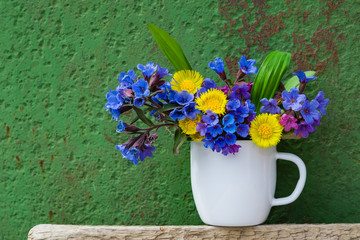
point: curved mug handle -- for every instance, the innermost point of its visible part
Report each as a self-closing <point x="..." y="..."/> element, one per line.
<point x="300" y="184"/>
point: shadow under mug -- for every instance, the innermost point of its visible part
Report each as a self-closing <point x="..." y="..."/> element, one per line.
<point x="238" y="190"/>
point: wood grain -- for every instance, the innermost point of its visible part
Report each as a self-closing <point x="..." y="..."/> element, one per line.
<point x="282" y="231"/>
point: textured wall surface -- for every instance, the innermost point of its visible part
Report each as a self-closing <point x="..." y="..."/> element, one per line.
<point x="58" y="163"/>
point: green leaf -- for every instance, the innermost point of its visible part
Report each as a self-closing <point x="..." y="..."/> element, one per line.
<point x="269" y="76"/>
<point x="179" y="139"/>
<point x="168" y="107"/>
<point x="142" y="116"/>
<point x="294" y="81"/>
<point x="170" y="48"/>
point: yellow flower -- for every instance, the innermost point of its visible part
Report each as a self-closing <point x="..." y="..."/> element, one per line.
<point x="186" y="80"/>
<point x="214" y="100"/>
<point x="265" y="130"/>
<point x="189" y="126"/>
<point x="196" y="137"/>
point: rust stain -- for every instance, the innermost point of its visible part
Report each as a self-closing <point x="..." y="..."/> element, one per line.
<point x="305" y="15"/>
<point x="51" y="216"/>
<point x="64" y="139"/>
<point x="33" y="131"/>
<point x="331" y="5"/>
<point x="41" y="163"/>
<point x="52" y="158"/>
<point x="7" y="131"/>
<point x="109" y="139"/>
<point x="18" y="161"/>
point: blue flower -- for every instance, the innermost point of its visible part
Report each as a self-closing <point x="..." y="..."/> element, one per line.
<point x="115" y="114"/>
<point x="302" y="77"/>
<point x="127" y="79"/>
<point x="209" y="143"/>
<point x="240" y="91"/>
<point x="304" y="129"/>
<point x="177" y="114"/>
<point x="130" y="155"/>
<point x="243" y="111"/>
<point x="115" y="101"/>
<point x="120" y="127"/>
<point x="233" y="104"/>
<point x="165" y="88"/>
<point x="127" y="100"/>
<point x="322" y="102"/>
<point x="309" y="111"/>
<point x="206" y="85"/>
<point x="190" y="111"/>
<point x="141" y="88"/>
<point x="230" y="139"/>
<point x="247" y="66"/>
<point x="161" y="72"/>
<point x="228" y="119"/>
<point x="217" y="65"/>
<point x="220" y="141"/>
<point x="139" y="101"/>
<point x="214" y="130"/>
<point x="293" y="99"/>
<point x="171" y="96"/>
<point x="242" y="130"/>
<point x="230" y="128"/>
<point x="184" y="97"/>
<point x="147" y="70"/>
<point x="210" y="118"/>
<point x="270" y="106"/>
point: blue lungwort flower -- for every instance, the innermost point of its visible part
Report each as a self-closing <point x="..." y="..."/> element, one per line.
<point x="293" y="99"/>
<point x="322" y="102"/>
<point x="247" y="66"/>
<point x="190" y="110"/>
<point x="210" y="118"/>
<point x="228" y="119"/>
<point x="141" y="88"/>
<point x="302" y="77"/>
<point x="177" y="114"/>
<point x="309" y="111"/>
<point x="139" y="101"/>
<point x="120" y="127"/>
<point x="127" y="79"/>
<point x="270" y="106"/>
<point x="147" y="70"/>
<point x="184" y="97"/>
<point x="217" y="65"/>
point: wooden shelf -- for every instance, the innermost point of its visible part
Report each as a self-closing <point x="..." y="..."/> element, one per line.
<point x="281" y="231"/>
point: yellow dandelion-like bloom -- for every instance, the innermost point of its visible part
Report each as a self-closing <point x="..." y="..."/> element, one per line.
<point x="214" y="100"/>
<point x="186" y="80"/>
<point x="197" y="137"/>
<point x="189" y="126"/>
<point x="265" y="130"/>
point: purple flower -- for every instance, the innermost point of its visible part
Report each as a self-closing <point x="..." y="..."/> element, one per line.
<point x="217" y="65"/>
<point x="210" y="118"/>
<point x="201" y="128"/>
<point x="190" y="111"/>
<point x="224" y="89"/>
<point x="302" y="77"/>
<point x="250" y="106"/>
<point x="243" y="111"/>
<point x="147" y="70"/>
<point x="233" y="104"/>
<point x="309" y="111"/>
<point x="322" y="102"/>
<point x="141" y="88"/>
<point x="240" y="91"/>
<point x="247" y="66"/>
<point x="214" y="130"/>
<point x="147" y="152"/>
<point x="242" y="130"/>
<point x="304" y="129"/>
<point x="293" y="99"/>
<point x="127" y="79"/>
<point x="270" y="106"/>
<point x="115" y="101"/>
<point x="208" y="84"/>
<point x="230" y="139"/>
<point x="120" y="127"/>
<point x="184" y="97"/>
<point x="288" y="122"/>
<point x="230" y="128"/>
<point x="177" y="114"/>
<point x="139" y="101"/>
<point x="161" y="72"/>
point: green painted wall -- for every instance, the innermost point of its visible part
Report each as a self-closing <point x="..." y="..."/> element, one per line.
<point x="58" y="163"/>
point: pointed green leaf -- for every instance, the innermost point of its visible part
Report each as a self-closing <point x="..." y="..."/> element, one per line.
<point x="142" y="116"/>
<point x="294" y="81"/>
<point x="269" y="76"/>
<point x="170" y="48"/>
<point x="167" y="107"/>
<point x="179" y="139"/>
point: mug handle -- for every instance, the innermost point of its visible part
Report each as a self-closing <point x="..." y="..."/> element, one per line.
<point x="300" y="184"/>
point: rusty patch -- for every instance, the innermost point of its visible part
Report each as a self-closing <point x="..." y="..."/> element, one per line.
<point x="51" y="216"/>
<point x="331" y="5"/>
<point x="18" y="161"/>
<point x="41" y="163"/>
<point x="52" y="158"/>
<point x="64" y="139"/>
<point x="7" y="131"/>
<point x="108" y="139"/>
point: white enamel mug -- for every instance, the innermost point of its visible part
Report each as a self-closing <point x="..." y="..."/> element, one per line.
<point x="238" y="190"/>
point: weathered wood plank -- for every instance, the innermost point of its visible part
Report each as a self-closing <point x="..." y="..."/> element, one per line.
<point x="268" y="232"/>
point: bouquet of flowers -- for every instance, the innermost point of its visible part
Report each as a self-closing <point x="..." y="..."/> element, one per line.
<point x="195" y="108"/>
